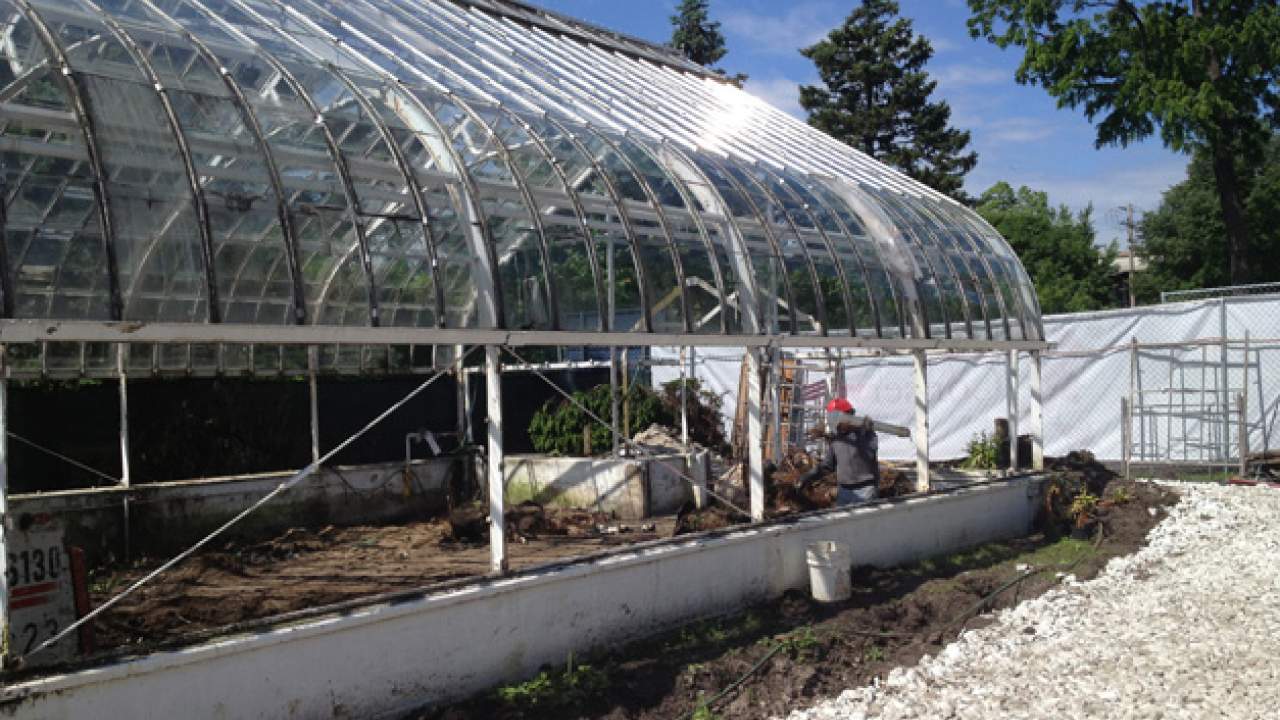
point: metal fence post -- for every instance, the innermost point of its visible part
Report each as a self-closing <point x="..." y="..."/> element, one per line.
<point x="1037" y="411"/>
<point x="755" y="434"/>
<point x="1242" y="406"/>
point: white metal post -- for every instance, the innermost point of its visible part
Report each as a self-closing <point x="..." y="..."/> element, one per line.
<point x="460" y="388"/>
<point x="775" y="404"/>
<point x="615" y="401"/>
<point x="922" y="420"/>
<point x="121" y="356"/>
<point x="755" y="434"/>
<point x="684" y="398"/>
<point x="1037" y="411"/>
<point x="122" y="351"/>
<point x="497" y="520"/>
<point x="4" y="516"/>
<point x="313" y="364"/>
<point x="1012" y="406"/>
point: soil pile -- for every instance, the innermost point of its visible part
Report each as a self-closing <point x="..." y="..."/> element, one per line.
<point x="786" y="654"/>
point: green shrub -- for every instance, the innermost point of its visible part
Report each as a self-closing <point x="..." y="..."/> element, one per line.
<point x="983" y="451"/>
<point x="557" y="427"/>
<point x="706" y="423"/>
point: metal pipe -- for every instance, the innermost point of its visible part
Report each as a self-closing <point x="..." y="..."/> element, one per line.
<point x="1012" y="406"/>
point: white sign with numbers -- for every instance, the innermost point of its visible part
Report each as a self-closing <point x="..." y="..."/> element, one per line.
<point x="41" y="592"/>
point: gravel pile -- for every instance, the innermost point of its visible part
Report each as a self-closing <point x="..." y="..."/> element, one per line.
<point x="1188" y="627"/>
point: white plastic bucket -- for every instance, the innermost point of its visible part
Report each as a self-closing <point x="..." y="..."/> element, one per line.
<point x="829" y="565"/>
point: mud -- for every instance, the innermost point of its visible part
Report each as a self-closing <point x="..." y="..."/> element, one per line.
<point x="810" y="651"/>
<point x="305" y="568"/>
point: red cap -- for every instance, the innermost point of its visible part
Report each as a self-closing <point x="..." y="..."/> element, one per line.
<point x="840" y="405"/>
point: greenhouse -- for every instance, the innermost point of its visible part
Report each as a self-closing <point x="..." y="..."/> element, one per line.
<point x="462" y="190"/>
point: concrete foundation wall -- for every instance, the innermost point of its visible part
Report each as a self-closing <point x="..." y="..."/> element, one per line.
<point x="166" y="517"/>
<point x="631" y="488"/>
<point x="384" y="659"/>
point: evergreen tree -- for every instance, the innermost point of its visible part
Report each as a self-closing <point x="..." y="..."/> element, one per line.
<point x="1056" y="247"/>
<point x="1182" y="239"/>
<point x="1202" y="73"/>
<point x="698" y="37"/>
<point x="876" y="97"/>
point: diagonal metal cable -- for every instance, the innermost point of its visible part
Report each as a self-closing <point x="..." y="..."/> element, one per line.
<point x="625" y="440"/>
<point x="70" y="461"/>
<point x="284" y="487"/>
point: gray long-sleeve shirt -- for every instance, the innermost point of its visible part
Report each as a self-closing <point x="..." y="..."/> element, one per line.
<point x="852" y="457"/>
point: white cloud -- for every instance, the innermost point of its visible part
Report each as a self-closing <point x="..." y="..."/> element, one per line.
<point x="970" y="75"/>
<point x="802" y="25"/>
<point x="780" y="92"/>
<point x="1015" y="130"/>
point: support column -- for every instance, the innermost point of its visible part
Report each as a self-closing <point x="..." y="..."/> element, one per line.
<point x="1012" y="406"/>
<point x="775" y="404"/>
<point x="4" y="514"/>
<point x="122" y="353"/>
<point x="460" y="393"/>
<point x="313" y="365"/>
<point x="615" y="401"/>
<point x="1037" y="411"/>
<point x="684" y="398"/>
<point x="497" y="521"/>
<point x="922" y="420"/>
<point x="755" y="434"/>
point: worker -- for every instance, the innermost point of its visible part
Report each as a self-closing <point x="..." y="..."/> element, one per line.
<point x="851" y="454"/>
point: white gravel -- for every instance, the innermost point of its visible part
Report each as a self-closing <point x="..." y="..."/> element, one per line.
<point x="1188" y="627"/>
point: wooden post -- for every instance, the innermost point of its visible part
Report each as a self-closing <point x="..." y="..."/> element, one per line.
<point x="922" y="420"/>
<point x="497" y="519"/>
<point x="1013" y="406"/>
<point x="1126" y="438"/>
<point x="1242" y="406"/>
<point x="1037" y="411"/>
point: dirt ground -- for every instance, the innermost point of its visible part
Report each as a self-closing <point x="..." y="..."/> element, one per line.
<point x="305" y="568"/>
<point x="788" y="654"/>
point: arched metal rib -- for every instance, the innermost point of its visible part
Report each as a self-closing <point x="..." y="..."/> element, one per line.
<point x="521" y="186"/>
<point x="250" y="120"/>
<point x="212" y="305"/>
<point x="79" y="106"/>
<point x="331" y="143"/>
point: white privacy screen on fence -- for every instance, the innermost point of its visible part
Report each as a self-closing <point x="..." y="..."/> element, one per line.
<point x="1184" y="391"/>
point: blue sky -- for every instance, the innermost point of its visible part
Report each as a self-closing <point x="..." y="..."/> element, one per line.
<point x="1020" y="134"/>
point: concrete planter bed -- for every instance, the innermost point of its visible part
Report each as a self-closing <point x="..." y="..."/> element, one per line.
<point x="404" y="650"/>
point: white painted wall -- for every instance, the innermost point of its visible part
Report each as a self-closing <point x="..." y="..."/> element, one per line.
<point x="385" y="659"/>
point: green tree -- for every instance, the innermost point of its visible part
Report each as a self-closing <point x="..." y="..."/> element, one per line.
<point x="875" y="96"/>
<point x="1182" y="238"/>
<point x="1070" y="272"/>
<point x="1201" y="73"/>
<point x="698" y="37"/>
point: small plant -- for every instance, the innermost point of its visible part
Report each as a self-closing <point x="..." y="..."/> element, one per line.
<point x="1120" y="496"/>
<point x="802" y="643"/>
<point x="873" y="653"/>
<point x="703" y="713"/>
<point x="982" y="452"/>
<point x="1083" y="508"/>
<point x="553" y="689"/>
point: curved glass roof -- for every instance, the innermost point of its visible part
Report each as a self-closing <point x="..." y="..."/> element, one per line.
<point x="453" y="164"/>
